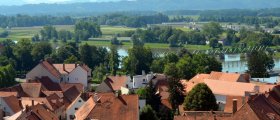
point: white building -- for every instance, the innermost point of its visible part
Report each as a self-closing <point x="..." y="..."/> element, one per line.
<point x="61" y="73"/>
<point x="139" y="81"/>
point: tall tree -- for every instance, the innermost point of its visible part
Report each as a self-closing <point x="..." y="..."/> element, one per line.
<point x="200" y="98"/>
<point x="40" y="50"/>
<point x="113" y="60"/>
<point x="23" y="54"/>
<point x="176" y="96"/>
<point x="259" y="63"/>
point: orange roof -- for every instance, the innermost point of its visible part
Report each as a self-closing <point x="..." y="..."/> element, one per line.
<point x="222" y="87"/>
<point x="13" y="103"/>
<point x="110" y="107"/>
<point x="266" y="87"/>
<point x="51" y="69"/>
<point x="84" y="110"/>
<point x="31" y="89"/>
<point x="229" y="103"/>
<point x="231" y="77"/>
<point x="68" y="68"/>
<point x="116" y="82"/>
<point x="7" y="94"/>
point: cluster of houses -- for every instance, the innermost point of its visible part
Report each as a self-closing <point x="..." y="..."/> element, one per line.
<point x="61" y="92"/>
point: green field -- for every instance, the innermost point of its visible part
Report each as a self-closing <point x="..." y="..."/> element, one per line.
<point x="17" y="33"/>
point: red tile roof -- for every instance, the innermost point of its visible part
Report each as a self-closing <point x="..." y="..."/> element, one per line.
<point x="204" y="115"/>
<point x="31" y="89"/>
<point x="13" y="103"/>
<point x="229" y="103"/>
<point x="258" y="107"/>
<point x="110" y="107"/>
<point x="51" y="69"/>
<point x="66" y="69"/>
<point x="84" y="110"/>
<point x="37" y="112"/>
<point x="7" y="94"/>
<point x="116" y="82"/>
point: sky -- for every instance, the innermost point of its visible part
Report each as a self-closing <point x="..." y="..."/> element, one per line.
<point x="21" y="2"/>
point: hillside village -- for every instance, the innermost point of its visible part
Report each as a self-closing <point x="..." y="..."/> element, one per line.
<point x="61" y="92"/>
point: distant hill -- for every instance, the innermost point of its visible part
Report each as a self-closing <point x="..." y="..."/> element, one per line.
<point x="139" y="5"/>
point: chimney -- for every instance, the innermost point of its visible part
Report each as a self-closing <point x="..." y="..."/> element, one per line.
<point x="32" y="102"/>
<point x="117" y="93"/>
<point x="95" y="97"/>
<point x="234" y="105"/>
<point x="143" y="72"/>
<point x="63" y="65"/>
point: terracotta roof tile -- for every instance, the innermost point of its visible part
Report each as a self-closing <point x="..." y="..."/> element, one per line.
<point x="67" y="68"/>
<point x="65" y="86"/>
<point x="51" y="69"/>
<point x="110" y="107"/>
<point x="71" y="94"/>
<point x="204" y="115"/>
<point x="84" y="110"/>
<point x="222" y="87"/>
<point x="7" y="94"/>
<point x="229" y="103"/>
<point x="37" y="112"/>
<point x="49" y="84"/>
<point x="31" y="89"/>
<point x="13" y="103"/>
<point x="116" y="82"/>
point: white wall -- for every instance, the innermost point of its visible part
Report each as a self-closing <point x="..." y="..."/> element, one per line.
<point x="76" y="104"/>
<point x="39" y="71"/>
<point x="124" y="91"/>
<point x="79" y="75"/>
<point x="141" y="80"/>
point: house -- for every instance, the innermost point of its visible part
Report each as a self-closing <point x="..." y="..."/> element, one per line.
<point x="9" y="105"/>
<point x="224" y="85"/>
<point x="73" y="102"/>
<point x="110" y="106"/>
<point x="204" y="115"/>
<point x="139" y="81"/>
<point x="37" y="112"/>
<point x="83" y="112"/>
<point x="61" y="73"/>
<point x="113" y="84"/>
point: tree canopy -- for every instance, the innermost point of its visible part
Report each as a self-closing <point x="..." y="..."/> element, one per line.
<point x="200" y="98"/>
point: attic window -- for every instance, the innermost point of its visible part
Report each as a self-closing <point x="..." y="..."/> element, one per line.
<point x="80" y="101"/>
<point x="144" y="80"/>
<point x="76" y="108"/>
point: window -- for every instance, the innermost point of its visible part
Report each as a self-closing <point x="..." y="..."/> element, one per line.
<point x="76" y="108"/>
<point x="144" y="80"/>
<point x="80" y="101"/>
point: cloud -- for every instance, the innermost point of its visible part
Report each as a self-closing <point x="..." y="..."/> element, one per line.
<point x="44" y="1"/>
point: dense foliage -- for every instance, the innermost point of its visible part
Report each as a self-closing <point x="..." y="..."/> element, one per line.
<point x="200" y="98"/>
<point x="259" y="64"/>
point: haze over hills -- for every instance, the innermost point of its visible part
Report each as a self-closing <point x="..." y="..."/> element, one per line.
<point x="139" y="5"/>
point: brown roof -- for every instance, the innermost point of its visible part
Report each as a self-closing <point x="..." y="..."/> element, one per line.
<point x="37" y="112"/>
<point x="116" y="82"/>
<point x="258" y="107"/>
<point x="71" y="94"/>
<point x="7" y="94"/>
<point x="110" y="107"/>
<point x="13" y="103"/>
<point x="204" y="115"/>
<point x="51" y="69"/>
<point x="49" y="84"/>
<point x="229" y="103"/>
<point x="85" y="67"/>
<point x="84" y="110"/>
<point x="66" y="86"/>
<point x="31" y="89"/>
